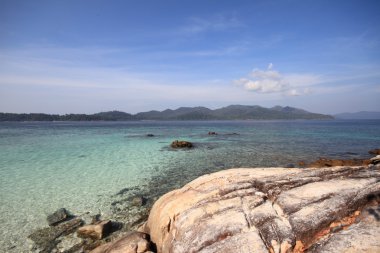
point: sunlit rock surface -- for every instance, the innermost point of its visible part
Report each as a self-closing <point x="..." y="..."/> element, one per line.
<point x="270" y="209"/>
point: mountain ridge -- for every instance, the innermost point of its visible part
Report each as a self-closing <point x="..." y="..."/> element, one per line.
<point x="231" y="112"/>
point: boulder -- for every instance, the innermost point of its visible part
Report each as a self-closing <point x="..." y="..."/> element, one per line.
<point x="264" y="210"/>
<point x="181" y="144"/>
<point x="58" y="216"/>
<point x="134" y="242"/>
<point x="96" y="231"/>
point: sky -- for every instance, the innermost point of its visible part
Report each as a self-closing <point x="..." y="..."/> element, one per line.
<point x="82" y="56"/>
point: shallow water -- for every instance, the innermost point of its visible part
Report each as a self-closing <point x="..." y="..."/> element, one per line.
<point x="81" y="165"/>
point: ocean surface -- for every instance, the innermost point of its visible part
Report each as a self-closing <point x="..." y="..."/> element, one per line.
<point x="82" y="165"/>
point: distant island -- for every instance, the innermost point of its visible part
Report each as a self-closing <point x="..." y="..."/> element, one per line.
<point x="232" y="112"/>
<point x="358" y="115"/>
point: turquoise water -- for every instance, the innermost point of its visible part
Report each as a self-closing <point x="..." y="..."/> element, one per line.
<point x="82" y="165"/>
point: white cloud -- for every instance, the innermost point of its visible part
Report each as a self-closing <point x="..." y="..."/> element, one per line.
<point x="272" y="81"/>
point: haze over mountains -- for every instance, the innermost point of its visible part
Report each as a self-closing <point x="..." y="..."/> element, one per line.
<point x="358" y="115"/>
<point x="232" y="112"/>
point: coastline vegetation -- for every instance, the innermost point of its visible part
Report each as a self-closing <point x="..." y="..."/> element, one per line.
<point x="232" y="112"/>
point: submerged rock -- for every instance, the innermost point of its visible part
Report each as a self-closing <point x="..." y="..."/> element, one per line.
<point x="58" y="216"/>
<point x="138" y="201"/>
<point x="268" y="209"/>
<point x="46" y="239"/>
<point x="181" y="144"/>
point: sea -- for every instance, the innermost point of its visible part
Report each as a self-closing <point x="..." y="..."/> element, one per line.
<point x="81" y="166"/>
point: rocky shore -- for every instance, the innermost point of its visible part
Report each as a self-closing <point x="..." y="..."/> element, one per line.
<point x="271" y="210"/>
<point x="326" y="208"/>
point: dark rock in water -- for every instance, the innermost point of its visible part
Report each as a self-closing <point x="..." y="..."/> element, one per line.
<point x="181" y="144"/>
<point x="138" y="201"/>
<point x="58" y="216"/>
<point x="47" y="238"/>
<point x="150" y="135"/>
<point x="375" y="151"/>
<point x="134" y="242"/>
<point x="96" y="231"/>
<point x="212" y="133"/>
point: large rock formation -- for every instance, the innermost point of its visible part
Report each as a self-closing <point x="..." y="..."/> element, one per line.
<point x="270" y="209"/>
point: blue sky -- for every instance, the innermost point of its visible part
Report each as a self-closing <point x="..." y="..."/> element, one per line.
<point x="91" y="56"/>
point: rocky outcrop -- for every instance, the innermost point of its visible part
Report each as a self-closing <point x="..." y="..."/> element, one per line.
<point x="270" y="209"/>
<point x="181" y="144"/>
<point x="62" y="237"/>
<point x="326" y="162"/>
<point x="375" y="151"/>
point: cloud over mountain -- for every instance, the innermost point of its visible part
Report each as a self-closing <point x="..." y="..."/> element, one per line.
<point x="272" y="81"/>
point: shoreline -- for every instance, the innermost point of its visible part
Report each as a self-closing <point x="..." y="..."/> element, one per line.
<point x="136" y="218"/>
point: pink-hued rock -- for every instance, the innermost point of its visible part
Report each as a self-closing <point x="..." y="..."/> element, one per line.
<point x="135" y="242"/>
<point x="96" y="231"/>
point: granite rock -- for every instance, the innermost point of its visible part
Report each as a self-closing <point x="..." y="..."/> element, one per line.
<point x="265" y="209"/>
